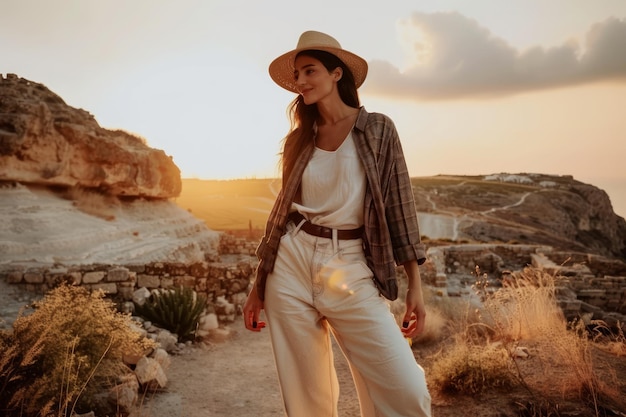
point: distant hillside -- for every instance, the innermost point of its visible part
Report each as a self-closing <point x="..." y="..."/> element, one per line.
<point x="515" y="208"/>
<point x="526" y="208"/>
<point x="230" y="204"/>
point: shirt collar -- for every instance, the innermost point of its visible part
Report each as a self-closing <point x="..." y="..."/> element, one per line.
<point x="361" y="119"/>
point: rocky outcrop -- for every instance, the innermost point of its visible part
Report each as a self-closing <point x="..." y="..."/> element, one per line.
<point x="598" y="226"/>
<point x="45" y="141"/>
<point x="40" y="226"/>
<point x="521" y="208"/>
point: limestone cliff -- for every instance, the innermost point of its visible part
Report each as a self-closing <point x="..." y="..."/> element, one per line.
<point x="42" y="226"/>
<point x="45" y="141"/>
<point x="74" y="193"/>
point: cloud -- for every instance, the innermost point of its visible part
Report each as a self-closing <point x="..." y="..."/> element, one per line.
<point x="452" y="56"/>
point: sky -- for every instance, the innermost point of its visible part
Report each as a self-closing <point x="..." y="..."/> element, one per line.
<point x="474" y="87"/>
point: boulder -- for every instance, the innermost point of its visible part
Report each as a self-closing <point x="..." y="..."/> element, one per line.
<point x="125" y="394"/>
<point x="150" y="373"/>
<point x="45" y="141"/>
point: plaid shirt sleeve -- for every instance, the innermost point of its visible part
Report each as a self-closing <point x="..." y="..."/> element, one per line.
<point x="400" y="210"/>
<point x="396" y="191"/>
<point x="391" y="229"/>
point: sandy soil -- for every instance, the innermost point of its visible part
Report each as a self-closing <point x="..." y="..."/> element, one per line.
<point x="236" y="377"/>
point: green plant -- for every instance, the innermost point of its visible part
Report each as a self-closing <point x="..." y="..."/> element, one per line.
<point x="60" y="358"/>
<point x="176" y="310"/>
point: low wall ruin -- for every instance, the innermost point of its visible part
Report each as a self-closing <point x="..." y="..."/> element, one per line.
<point x="595" y="284"/>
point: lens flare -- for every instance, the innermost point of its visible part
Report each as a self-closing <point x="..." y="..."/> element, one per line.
<point x="337" y="281"/>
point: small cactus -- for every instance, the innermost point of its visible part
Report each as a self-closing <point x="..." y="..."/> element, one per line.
<point x="176" y="310"/>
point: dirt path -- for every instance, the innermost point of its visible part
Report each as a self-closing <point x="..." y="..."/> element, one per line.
<point x="236" y="377"/>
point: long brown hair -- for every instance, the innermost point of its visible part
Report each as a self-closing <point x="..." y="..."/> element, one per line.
<point x="303" y="116"/>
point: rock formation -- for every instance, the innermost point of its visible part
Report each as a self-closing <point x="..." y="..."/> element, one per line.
<point x="521" y="208"/>
<point x="74" y="193"/>
<point x="39" y="226"/>
<point x="45" y="141"/>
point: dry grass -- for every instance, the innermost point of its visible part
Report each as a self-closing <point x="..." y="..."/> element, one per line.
<point x="524" y="309"/>
<point x="472" y="368"/>
<point x="609" y="340"/>
<point x="58" y="359"/>
<point x="523" y="316"/>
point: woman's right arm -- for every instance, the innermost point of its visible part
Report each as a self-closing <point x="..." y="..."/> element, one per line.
<point x="252" y="310"/>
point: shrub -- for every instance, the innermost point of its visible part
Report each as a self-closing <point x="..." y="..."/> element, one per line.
<point x="58" y="359"/>
<point x="471" y="369"/>
<point x="524" y="309"/>
<point x="176" y="310"/>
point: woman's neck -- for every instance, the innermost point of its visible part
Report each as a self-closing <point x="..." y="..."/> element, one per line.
<point x="331" y="115"/>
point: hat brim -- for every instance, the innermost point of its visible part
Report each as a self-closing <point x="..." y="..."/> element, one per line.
<point x="282" y="68"/>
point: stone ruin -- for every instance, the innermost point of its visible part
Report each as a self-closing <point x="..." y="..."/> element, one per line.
<point x="589" y="283"/>
<point x="590" y="286"/>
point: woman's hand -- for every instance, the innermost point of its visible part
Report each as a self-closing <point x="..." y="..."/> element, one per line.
<point x="251" y="311"/>
<point x="415" y="315"/>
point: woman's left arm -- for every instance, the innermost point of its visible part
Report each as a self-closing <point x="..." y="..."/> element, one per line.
<point x="400" y="202"/>
<point x="415" y="315"/>
<point x="403" y="226"/>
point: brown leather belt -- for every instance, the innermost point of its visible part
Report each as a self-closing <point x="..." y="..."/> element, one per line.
<point x="323" y="231"/>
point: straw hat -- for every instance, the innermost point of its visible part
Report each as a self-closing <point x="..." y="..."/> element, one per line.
<point x="281" y="69"/>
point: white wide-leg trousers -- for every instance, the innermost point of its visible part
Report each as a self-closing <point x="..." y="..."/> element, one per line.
<point x="320" y="286"/>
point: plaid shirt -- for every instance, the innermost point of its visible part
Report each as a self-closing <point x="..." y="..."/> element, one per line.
<point x="391" y="234"/>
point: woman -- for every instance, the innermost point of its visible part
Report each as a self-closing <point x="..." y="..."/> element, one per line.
<point x="344" y="218"/>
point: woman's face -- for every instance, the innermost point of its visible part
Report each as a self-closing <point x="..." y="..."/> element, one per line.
<point x="313" y="80"/>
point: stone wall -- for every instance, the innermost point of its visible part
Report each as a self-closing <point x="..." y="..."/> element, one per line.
<point x="467" y="260"/>
<point x="591" y="284"/>
<point x="225" y="282"/>
<point x="490" y="258"/>
<point x="231" y="244"/>
<point x="588" y="284"/>
<point x="216" y="280"/>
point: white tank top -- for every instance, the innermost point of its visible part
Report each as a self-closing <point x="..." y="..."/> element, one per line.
<point x="333" y="187"/>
